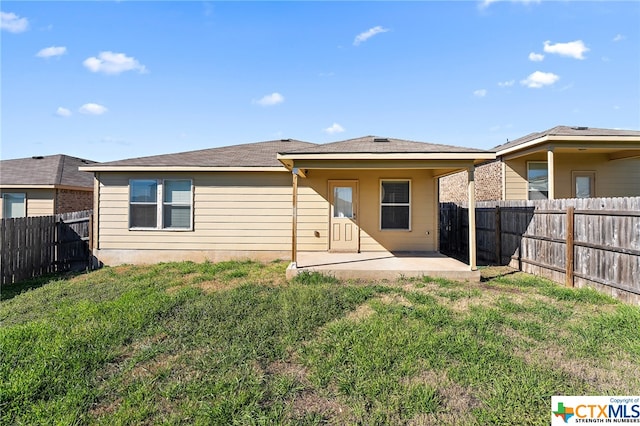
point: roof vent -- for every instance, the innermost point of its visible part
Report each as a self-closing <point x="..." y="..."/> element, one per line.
<point x="380" y="140"/>
<point x="580" y="128"/>
<point x="285" y="140"/>
<point x="37" y="157"/>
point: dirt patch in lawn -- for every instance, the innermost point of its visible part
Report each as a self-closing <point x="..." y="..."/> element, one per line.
<point x="606" y="376"/>
<point x="394" y="299"/>
<point x="292" y="369"/>
<point x="457" y="402"/>
<point x="360" y="313"/>
<point x="308" y="400"/>
<point x="208" y="286"/>
<point x="104" y="408"/>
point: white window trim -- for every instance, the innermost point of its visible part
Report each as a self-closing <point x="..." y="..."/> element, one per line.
<point x="393" y="204"/>
<point x="583" y="173"/>
<point x="160" y="203"/>
<point x="527" y="179"/>
<point x="24" y="199"/>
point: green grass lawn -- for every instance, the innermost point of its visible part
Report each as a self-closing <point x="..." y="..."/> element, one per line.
<point x="234" y="343"/>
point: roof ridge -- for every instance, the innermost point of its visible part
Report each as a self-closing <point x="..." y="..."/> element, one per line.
<point x="60" y="171"/>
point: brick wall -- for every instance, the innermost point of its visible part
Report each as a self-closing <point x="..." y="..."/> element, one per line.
<point x="72" y="201"/>
<point x="453" y="188"/>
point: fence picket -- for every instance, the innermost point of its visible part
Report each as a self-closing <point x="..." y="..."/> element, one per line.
<point x="30" y="247"/>
<point x="533" y="238"/>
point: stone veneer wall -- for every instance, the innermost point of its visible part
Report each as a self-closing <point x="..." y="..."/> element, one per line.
<point x="453" y="188"/>
<point x="68" y="200"/>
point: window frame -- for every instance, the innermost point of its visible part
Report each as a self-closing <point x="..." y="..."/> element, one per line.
<point x="381" y="205"/>
<point x="160" y="206"/>
<point x="4" y="204"/>
<point x="591" y="174"/>
<point x="529" y="163"/>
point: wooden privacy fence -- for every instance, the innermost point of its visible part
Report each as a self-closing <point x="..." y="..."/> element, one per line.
<point x="590" y="241"/>
<point x="35" y="246"/>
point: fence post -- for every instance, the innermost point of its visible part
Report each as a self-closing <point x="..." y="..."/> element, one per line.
<point x="498" y="236"/>
<point x="569" y="259"/>
<point x="91" y="234"/>
<point x="458" y="239"/>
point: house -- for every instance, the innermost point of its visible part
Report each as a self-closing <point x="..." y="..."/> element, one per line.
<point x="44" y="185"/>
<point x="273" y="199"/>
<point x="562" y="162"/>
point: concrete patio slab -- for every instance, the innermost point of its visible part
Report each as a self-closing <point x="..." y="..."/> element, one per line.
<point x="382" y="265"/>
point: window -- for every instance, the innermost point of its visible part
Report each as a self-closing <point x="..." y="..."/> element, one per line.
<point x="174" y="210"/>
<point x="538" y="180"/>
<point x="343" y="202"/>
<point x="14" y="205"/>
<point x="395" y="204"/>
<point x="583" y="184"/>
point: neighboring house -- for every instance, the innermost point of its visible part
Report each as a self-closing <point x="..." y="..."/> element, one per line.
<point x="365" y="194"/>
<point x="562" y="162"/>
<point x="44" y="185"/>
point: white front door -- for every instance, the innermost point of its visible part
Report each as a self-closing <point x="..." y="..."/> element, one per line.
<point x="344" y="233"/>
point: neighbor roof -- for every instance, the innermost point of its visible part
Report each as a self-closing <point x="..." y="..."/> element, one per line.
<point x="251" y="155"/>
<point x="49" y="170"/>
<point x="570" y="132"/>
<point x="377" y="144"/>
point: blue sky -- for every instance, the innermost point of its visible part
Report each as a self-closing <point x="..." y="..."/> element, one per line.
<point x="113" y="80"/>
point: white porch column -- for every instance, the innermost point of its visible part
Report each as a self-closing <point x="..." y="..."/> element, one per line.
<point x="551" y="183"/>
<point x="471" y="187"/>
<point x="294" y="220"/>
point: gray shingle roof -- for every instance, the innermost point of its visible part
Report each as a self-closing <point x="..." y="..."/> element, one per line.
<point x="376" y="144"/>
<point x="568" y="131"/>
<point x="57" y="169"/>
<point x="258" y="154"/>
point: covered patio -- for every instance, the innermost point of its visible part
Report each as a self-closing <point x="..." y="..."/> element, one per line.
<point x="382" y="265"/>
<point x="367" y="208"/>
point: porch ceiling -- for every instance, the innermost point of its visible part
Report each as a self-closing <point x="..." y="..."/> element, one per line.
<point x="615" y="151"/>
<point x="442" y="165"/>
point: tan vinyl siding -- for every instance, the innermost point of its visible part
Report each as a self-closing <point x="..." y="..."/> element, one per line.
<point x="232" y="212"/>
<point x="618" y="178"/>
<point x="39" y="201"/>
<point x="516" y="176"/>
<point x="251" y="212"/>
<point x="423" y="217"/>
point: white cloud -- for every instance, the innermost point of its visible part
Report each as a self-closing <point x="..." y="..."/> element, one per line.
<point x="113" y="63"/>
<point x="540" y="79"/>
<point x="619" y="37"/>
<point x="49" y="52"/>
<point x="536" y="57"/>
<point x="366" y="35"/>
<point x="13" y="23"/>
<point x="572" y="49"/>
<point x="268" y="100"/>
<point x="506" y="83"/>
<point x="480" y="93"/>
<point x="334" y="128"/>
<point x="486" y="3"/>
<point x="92" y="109"/>
<point x="63" y="112"/>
